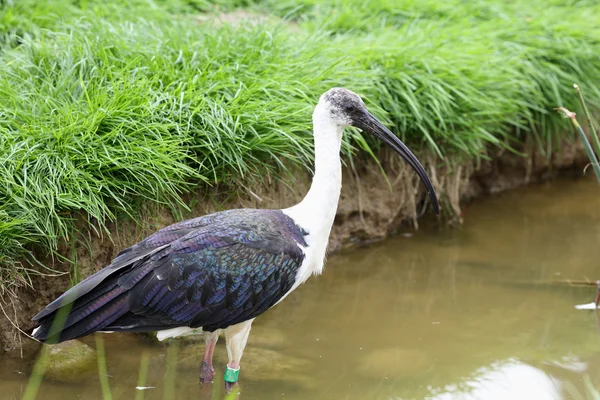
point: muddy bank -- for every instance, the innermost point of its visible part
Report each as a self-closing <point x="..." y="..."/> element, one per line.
<point x="370" y="209"/>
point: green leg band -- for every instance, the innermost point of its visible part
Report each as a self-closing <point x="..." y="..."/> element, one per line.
<point x="232" y="375"/>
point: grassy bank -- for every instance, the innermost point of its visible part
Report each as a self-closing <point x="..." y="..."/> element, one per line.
<point x="107" y="104"/>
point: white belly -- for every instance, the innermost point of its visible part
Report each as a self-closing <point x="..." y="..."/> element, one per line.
<point x="176" y="332"/>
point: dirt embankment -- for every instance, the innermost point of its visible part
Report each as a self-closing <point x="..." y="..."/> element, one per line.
<point x="370" y="209"/>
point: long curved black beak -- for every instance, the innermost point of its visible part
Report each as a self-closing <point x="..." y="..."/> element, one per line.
<point x="371" y="125"/>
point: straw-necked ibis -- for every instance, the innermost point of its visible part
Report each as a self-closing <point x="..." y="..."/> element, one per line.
<point x="220" y="271"/>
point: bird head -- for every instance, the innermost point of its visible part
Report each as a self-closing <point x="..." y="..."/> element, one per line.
<point x="345" y="108"/>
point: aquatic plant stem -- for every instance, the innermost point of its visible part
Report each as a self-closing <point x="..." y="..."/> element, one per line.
<point x="143" y="376"/>
<point x="589" y="118"/>
<point x="34" y="382"/>
<point x="102" y="372"/>
<point x="584" y="140"/>
<point x="171" y="371"/>
<point x="39" y="369"/>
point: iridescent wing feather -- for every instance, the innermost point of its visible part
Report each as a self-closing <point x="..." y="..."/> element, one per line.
<point x="210" y="272"/>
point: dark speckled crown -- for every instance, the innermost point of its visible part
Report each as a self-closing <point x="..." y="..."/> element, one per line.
<point x="345" y="104"/>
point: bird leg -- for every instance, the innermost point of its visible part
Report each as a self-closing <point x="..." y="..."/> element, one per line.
<point x="207" y="372"/>
<point x="236" y="337"/>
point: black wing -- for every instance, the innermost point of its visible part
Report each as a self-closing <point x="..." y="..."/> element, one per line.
<point x="209" y="272"/>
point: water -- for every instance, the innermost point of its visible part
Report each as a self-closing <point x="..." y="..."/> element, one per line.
<point x="472" y="313"/>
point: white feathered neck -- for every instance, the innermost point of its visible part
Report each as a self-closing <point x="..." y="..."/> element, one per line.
<point x="316" y="212"/>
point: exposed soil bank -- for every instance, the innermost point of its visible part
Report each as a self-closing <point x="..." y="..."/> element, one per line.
<point x="370" y="209"/>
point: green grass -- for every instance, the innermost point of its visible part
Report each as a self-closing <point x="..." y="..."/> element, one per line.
<point x="104" y="105"/>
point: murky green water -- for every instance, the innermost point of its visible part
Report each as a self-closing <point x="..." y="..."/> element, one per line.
<point x="474" y="313"/>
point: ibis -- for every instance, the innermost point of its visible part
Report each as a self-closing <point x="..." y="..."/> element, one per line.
<point x="216" y="273"/>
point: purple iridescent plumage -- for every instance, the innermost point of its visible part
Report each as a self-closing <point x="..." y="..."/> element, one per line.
<point x="210" y="272"/>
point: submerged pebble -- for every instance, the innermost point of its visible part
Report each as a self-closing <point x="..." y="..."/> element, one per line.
<point x="70" y="361"/>
<point x="394" y="362"/>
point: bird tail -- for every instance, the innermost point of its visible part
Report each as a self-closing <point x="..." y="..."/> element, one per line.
<point x="78" y="314"/>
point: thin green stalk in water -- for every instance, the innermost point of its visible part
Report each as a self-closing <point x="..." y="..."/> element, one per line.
<point x="35" y="380"/>
<point x="102" y="373"/>
<point x="171" y="373"/>
<point x="591" y="389"/>
<point x="589" y="118"/>
<point x="143" y="376"/>
<point x="584" y="140"/>
<point x="39" y="368"/>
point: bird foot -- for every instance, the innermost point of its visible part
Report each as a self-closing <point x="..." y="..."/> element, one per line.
<point x="231" y="377"/>
<point x="207" y="373"/>
<point x="230" y="386"/>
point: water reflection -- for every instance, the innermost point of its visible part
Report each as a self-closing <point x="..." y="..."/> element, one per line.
<point x="510" y="379"/>
<point x="479" y="312"/>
